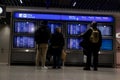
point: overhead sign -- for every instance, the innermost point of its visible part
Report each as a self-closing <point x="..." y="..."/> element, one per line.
<point x="63" y="17"/>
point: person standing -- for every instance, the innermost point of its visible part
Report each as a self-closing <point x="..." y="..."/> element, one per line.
<point x="92" y="43"/>
<point x="57" y="44"/>
<point x="42" y="36"/>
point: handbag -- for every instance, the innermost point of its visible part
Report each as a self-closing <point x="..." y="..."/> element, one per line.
<point x="84" y="58"/>
<point x="63" y="56"/>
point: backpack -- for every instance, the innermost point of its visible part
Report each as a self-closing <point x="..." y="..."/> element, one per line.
<point x="94" y="37"/>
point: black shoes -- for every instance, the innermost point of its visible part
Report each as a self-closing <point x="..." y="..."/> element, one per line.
<point x="85" y="68"/>
<point x="95" y="69"/>
<point x="59" y="67"/>
<point x="56" y="67"/>
<point x="88" y="69"/>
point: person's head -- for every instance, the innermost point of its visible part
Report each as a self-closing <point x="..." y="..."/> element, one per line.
<point x="58" y="29"/>
<point x="94" y="24"/>
<point x="44" y="22"/>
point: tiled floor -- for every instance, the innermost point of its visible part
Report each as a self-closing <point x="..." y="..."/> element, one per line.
<point x="68" y="73"/>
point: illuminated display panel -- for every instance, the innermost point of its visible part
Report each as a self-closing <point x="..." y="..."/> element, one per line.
<point x="73" y="43"/>
<point x="107" y="45"/>
<point x="53" y="26"/>
<point x="76" y="29"/>
<point x="24" y="27"/>
<point x="23" y="42"/>
<point x="105" y="30"/>
<point x="63" y="17"/>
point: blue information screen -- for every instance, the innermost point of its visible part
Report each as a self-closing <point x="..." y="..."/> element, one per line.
<point x="76" y="29"/>
<point x="24" y="27"/>
<point x="107" y="44"/>
<point x="105" y="30"/>
<point x="73" y="43"/>
<point x="53" y="26"/>
<point x="23" y="42"/>
<point x="63" y="17"/>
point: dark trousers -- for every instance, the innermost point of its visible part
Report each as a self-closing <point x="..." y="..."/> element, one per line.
<point x="57" y="57"/>
<point x="92" y="52"/>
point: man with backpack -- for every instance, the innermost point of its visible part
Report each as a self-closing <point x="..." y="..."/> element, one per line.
<point x="42" y="35"/>
<point x="93" y="39"/>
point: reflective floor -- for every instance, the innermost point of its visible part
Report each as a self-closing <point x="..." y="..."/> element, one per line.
<point x="68" y="73"/>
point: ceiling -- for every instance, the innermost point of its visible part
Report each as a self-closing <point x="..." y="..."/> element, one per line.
<point x="104" y="5"/>
<point x="94" y="5"/>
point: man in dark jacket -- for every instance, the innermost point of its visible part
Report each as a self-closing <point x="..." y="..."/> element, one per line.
<point x="42" y="35"/>
<point x="92" y="48"/>
<point x="57" y="44"/>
